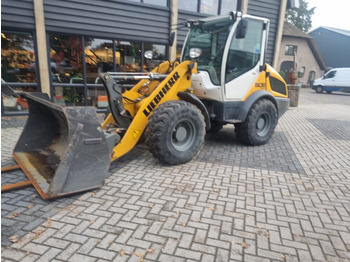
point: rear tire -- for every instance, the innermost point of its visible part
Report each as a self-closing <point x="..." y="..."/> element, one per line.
<point x="319" y="89"/>
<point x="175" y="132"/>
<point x="259" y="125"/>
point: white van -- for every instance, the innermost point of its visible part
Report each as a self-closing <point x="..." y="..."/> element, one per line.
<point x="336" y="79"/>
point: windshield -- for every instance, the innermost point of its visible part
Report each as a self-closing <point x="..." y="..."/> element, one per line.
<point x="211" y="37"/>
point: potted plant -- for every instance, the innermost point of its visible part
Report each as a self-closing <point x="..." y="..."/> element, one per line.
<point x="293" y="76"/>
<point x="70" y="96"/>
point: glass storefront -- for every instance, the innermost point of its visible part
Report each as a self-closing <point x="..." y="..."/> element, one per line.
<point x="102" y="55"/>
<point x="17" y="58"/>
<point x="76" y="63"/>
<point x="18" y="70"/>
<point x="66" y="59"/>
<point x="159" y="55"/>
<point x="66" y="64"/>
<point x="128" y="56"/>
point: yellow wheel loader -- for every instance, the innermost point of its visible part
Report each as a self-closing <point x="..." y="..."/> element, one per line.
<point x="221" y="80"/>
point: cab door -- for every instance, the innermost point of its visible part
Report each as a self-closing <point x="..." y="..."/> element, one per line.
<point x="329" y="81"/>
<point x="244" y="58"/>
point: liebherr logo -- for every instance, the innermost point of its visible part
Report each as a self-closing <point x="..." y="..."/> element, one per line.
<point x="152" y="105"/>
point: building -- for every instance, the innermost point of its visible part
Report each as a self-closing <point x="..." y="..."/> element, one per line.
<point x="296" y="46"/>
<point x="334" y="45"/>
<point x="60" y="47"/>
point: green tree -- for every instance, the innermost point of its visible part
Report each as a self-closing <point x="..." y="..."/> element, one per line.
<point x="301" y="17"/>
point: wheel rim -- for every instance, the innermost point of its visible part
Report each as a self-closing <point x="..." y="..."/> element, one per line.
<point x="183" y="135"/>
<point x="263" y="124"/>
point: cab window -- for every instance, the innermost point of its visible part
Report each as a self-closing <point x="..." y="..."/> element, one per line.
<point x="244" y="53"/>
<point x="330" y="74"/>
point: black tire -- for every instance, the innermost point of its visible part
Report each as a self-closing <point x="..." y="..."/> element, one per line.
<point x="175" y="132"/>
<point x="329" y="92"/>
<point x="259" y="125"/>
<point x="319" y="89"/>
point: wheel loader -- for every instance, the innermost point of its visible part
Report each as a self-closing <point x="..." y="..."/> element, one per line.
<point x="222" y="79"/>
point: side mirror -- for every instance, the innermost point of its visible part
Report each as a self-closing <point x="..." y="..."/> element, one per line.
<point x="149" y="54"/>
<point x="241" y="30"/>
<point x="195" y="53"/>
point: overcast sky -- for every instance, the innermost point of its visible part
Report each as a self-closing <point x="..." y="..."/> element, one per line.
<point x="331" y="13"/>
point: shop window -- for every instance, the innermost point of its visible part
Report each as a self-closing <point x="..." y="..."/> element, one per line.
<point x="159" y="56"/>
<point x="188" y="5"/>
<point x="209" y="7"/>
<point x="18" y="58"/>
<point x="98" y="58"/>
<point x="18" y="65"/>
<point x="66" y="59"/>
<point x="66" y="64"/>
<point x="128" y="56"/>
<point x="291" y="49"/>
<point x="228" y="6"/>
<point x="103" y="56"/>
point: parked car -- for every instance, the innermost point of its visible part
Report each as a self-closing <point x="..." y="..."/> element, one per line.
<point x="12" y="99"/>
<point x="337" y="79"/>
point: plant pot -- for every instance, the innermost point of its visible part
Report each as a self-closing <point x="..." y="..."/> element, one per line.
<point x="293" y="76"/>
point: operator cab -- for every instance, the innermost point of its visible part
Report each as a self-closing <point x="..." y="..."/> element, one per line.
<point x="232" y="46"/>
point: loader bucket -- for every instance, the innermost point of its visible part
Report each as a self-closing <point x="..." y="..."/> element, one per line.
<point x="62" y="150"/>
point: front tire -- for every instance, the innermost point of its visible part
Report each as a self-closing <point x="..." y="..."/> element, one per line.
<point x="19" y="107"/>
<point x="259" y="125"/>
<point x="319" y="89"/>
<point x="175" y="132"/>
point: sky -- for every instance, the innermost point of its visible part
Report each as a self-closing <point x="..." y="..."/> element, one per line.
<point x="330" y="13"/>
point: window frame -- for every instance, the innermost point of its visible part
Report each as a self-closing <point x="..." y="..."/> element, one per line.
<point x="290" y="50"/>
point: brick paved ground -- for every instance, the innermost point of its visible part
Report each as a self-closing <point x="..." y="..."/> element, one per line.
<point x="288" y="200"/>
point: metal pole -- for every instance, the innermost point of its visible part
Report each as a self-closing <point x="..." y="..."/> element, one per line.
<point x="84" y="70"/>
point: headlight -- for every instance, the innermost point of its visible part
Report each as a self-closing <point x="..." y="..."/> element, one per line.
<point x="148" y="54"/>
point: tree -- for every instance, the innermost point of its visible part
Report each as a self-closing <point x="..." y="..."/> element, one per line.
<point x="300" y="17"/>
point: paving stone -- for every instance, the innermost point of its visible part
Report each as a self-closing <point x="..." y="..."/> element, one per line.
<point x="288" y="200"/>
<point x="14" y="254"/>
